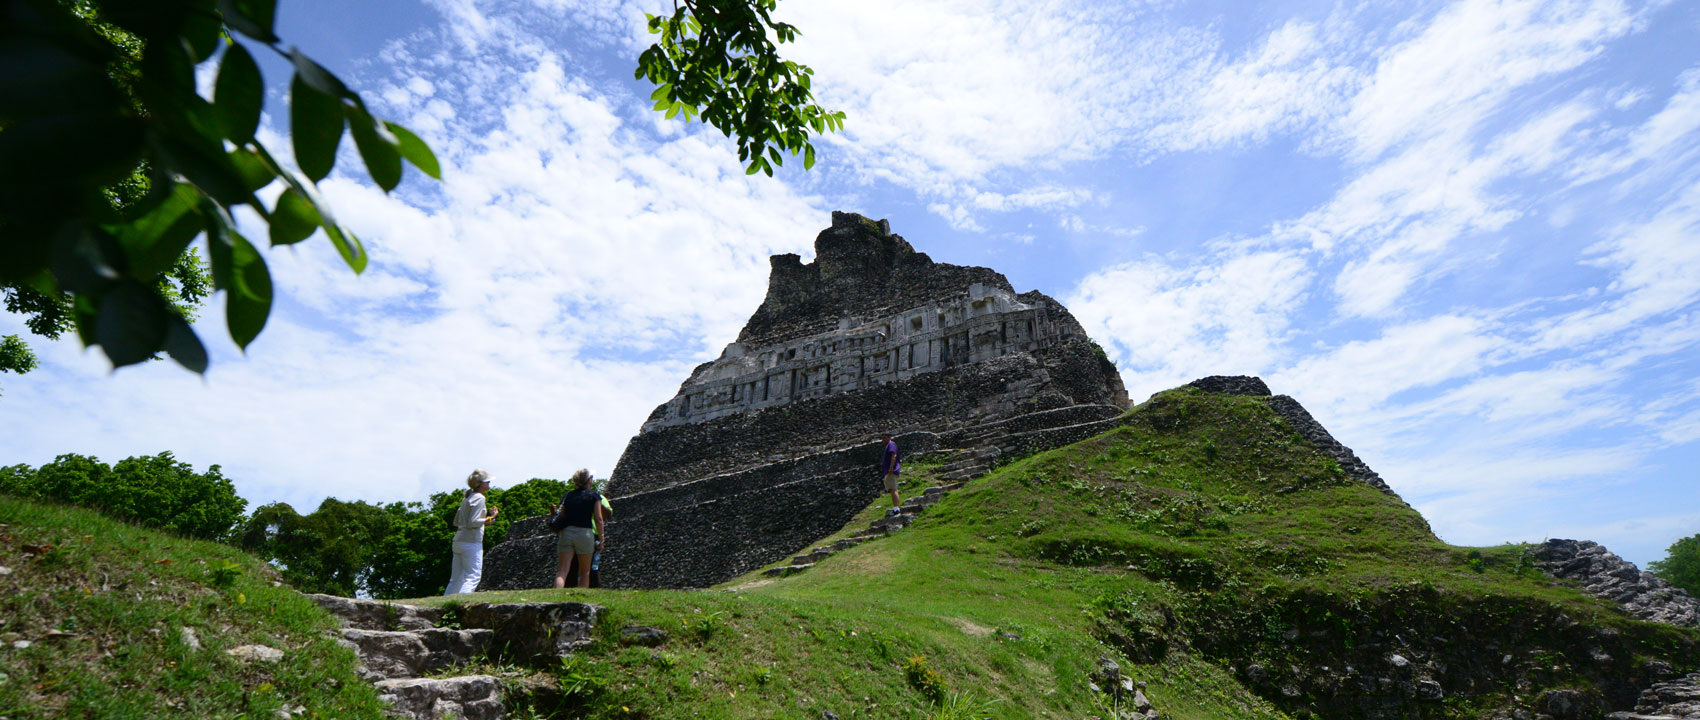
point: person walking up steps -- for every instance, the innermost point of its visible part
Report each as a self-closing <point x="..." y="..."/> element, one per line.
<point x="470" y="519"/>
<point x="890" y="466"/>
<point x="576" y="518"/>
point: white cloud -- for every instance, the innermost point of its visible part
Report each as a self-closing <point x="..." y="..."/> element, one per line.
<point x="1470" y="60"/>
<point x="1165" y="325"/>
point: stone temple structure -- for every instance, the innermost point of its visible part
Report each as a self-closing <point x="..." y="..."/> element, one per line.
<point x="773" y="445"/>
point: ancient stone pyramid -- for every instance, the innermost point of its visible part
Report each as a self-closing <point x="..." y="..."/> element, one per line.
<point x="772" y="445"/>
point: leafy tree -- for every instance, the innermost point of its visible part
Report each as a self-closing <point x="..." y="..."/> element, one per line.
<point x="72" y="129"/>
<point x="326" y="551"/>
<point x="184" y="285"/>
<point x="15" y="480"/>
<point x="155" y="491"/>
<point x="413" y="559"/>
<point x="719" y="59"/>
<point x="1681" y="566"/>
<point x="161" y="492"/>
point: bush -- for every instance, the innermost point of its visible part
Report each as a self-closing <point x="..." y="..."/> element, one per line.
<point x="1681" y="566"/>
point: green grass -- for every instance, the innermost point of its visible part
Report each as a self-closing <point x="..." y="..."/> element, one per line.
<point x="1201" y="539"/>
<point x="1195" y="540"/>
<point x="101" y="604"/>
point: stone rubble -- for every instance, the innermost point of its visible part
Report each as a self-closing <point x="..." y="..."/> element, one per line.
<point x="1678" y="698"/>
<point x="1603" y="574"/>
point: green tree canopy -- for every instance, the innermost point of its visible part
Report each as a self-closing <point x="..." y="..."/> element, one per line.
<point x="396" y="550"/>
<point x="325" y="551"/>
<point x="156" y="491"/>
<point x="1681" y="566"/>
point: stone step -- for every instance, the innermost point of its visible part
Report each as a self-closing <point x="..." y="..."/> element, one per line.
<point x="847" y="543"/>
<point x="967" y="473"/>
<point x="968" y="461"/>
<point x="376" y="614"/>
<point x="468" y="697"/>
<point x="891" y="523"/>
<point x="534" y="632"/>
<point x="390" y="654"/>
<point x="786" y="570"/>
<point x="810" y="558"/>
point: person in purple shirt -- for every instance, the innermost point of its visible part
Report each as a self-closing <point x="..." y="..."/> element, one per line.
<point x="891" y="464"/>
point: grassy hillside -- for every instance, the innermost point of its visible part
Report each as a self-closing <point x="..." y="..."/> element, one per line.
<point x="92" y="613"/>
<point x="1204" y="546"/>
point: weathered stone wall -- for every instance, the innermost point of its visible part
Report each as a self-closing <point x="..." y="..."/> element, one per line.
<point x="982" y="392"/>
<point x="707" y="531"/>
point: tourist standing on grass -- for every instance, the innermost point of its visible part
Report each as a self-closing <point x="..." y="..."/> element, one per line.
<point x="577" y="519"/>
<point x="596" y="557"/>
<point x="890" y="466"/>
<point x="470" y="520"/>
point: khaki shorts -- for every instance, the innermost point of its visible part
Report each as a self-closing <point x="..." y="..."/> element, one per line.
<point x="577" y="540"/>
<point x="890" y="482"/>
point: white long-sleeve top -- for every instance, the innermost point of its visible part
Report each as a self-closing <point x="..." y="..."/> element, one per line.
<point x="469" y="519"/>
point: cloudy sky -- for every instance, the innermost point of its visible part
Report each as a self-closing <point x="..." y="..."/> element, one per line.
<point x="1466" y="235"/>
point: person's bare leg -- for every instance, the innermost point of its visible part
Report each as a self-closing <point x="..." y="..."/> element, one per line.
<point x="584" y="571"/>
<point x="561" y="560"/>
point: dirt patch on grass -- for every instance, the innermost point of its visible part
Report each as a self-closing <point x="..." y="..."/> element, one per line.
<point x="969" y="627"/>
<point x="871" y="562"/>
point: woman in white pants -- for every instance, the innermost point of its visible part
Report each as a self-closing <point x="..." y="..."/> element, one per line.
<point x="470" y="520"/>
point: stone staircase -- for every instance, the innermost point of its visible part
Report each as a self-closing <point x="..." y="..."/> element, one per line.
<point x="968" y="453"/>
<point x="961" y="465"/>
<point x="401" y="647"/>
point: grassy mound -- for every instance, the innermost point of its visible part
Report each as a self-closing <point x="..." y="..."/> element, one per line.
<point x="92" y="618"/>
<point x="1204" y="545"/>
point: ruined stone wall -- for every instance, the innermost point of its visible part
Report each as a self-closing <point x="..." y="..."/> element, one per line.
<point x="1010" y="385"/>
<point x="703" y="532"/>
<point x="969" y="327"/>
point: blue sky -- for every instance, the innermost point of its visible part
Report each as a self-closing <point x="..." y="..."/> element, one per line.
<point x="1466" y="235"/>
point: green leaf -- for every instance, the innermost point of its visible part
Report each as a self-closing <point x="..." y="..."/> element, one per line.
<point x="154" y="241"/>
<point x="317" y="77"/>
<point x="377" y="147"/>
<point x="220" y="245"/>
<point x="200" y="33"/>
<point x="253" y="18"/>
<point x="294" y="219"/>
<point x="202" y="160"/>
<point x="415" y="150"/>
<point x="254" y="171"/>
<point x="184" y="346"/>
<point x="808" y="156"/>
<point x="238" y="94"/>
<point x="131" y="323"/>
<point x="249" y="301"/>
<point x="347" y="245"/>
<point x="315" y="123"/>
<point x="86" y="260"/>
